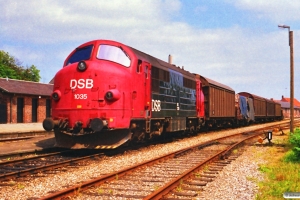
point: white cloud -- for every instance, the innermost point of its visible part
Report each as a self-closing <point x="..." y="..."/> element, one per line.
<point x="235" y="56"/>
<point x="53" y="21"/>
<point x="275" y="10"/>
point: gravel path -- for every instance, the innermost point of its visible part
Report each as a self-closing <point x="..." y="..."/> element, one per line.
<point x="242" y="169"/>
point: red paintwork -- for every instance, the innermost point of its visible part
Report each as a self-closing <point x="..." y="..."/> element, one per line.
<point x="129" y="105"/>
<point x="199" y="99"/>
<point x="134" y="90"/>
<point x="106" y="76"/>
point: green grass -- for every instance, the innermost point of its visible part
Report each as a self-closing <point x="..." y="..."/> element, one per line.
<point x="282" y="172"/>
<point x="281" y="177"/>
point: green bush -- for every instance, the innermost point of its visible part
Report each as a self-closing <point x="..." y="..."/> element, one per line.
<point x="294" y="140"/>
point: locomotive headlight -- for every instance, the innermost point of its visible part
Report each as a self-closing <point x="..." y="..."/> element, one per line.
<point x="82" y="66"/>
<point x="56" y="95"/>
<point x="112" y="95"/>
<point x="109" y="95"/>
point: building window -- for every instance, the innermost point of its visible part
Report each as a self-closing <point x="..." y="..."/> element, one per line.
<point x="48" y="108"/>
<point x="34" y="108"/>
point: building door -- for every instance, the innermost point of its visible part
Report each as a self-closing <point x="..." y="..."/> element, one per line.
<point x="20" y="108"/>
<point x="34" y="109"/>
<point x="48" y="107"/>
<point x="3" y="113"/>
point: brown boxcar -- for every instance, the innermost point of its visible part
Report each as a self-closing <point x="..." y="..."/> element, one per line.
<point x="259" y="104"/>
<point x="278" y="112"/>
<point x="219" y="102"/>
<point x="264" y="109"/>
<point x="270" y="108"/>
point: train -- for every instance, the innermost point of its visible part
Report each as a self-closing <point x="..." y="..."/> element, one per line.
<point x="108" y="94"/>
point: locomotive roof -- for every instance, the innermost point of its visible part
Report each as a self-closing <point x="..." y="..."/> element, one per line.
<point x="25" y="87"/>
<point x="208" y="82"/>
<point x="144" y="56"/>
<point x="160" y="63"/>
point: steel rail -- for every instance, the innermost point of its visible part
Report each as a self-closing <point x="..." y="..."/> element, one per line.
<point x="158" y="194"/>
<point x="59" y="164"/>
<point x="32" y="158"/>
<point x="17" y="138"/>
<point x="45" y="151"/>
<point x="25" y="134"/>
<point x="112" y="176"/>
<point x="100" y="180"/>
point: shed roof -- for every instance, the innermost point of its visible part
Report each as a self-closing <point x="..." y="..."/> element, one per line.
<point x="296" y="102"/>
<point x="285" y="104"/>
<point x="25" y="87"/>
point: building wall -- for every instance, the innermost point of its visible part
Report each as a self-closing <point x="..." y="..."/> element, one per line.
<point x="297" y="113"/>
<point x="41" y="109"/>
<point x="11" y="109"/>
<point x="286" y="112"/>
<point x="27" y="109"/>
<point x="11" y="102"/>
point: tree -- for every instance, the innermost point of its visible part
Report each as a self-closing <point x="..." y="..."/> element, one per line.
<point x="10" y="67"/>
<point x="31" y="74"/>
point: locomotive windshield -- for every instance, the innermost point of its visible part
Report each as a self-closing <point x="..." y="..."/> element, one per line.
<point x="114" y="54"/>
<point x="80" y="54"/>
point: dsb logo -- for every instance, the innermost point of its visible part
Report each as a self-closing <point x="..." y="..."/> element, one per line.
<point x="81" y="83"/>
<point x="156" y="105"/>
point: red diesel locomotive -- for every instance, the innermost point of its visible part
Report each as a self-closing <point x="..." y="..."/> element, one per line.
<point x="108" y="93"/>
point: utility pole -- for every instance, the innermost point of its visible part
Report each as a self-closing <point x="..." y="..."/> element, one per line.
<point x="291" y="44"/>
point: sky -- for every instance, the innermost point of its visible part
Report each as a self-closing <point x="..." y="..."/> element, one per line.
<point x="234" y="42"/>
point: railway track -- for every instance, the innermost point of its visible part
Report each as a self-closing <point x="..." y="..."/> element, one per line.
<point x="13" y="169"/>
<point x="16" y="138"/>
<point x="68" y="165"/>
<point x="8" y="137"/>
<point x="49" y="161"/>
<point x="30" y="153"/>
<point x="180" y="174"/>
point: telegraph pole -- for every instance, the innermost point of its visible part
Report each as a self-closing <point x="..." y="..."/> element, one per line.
<point x="291" y="44"/>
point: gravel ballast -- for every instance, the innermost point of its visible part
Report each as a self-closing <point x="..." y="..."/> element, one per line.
<point x="238" y="180"/>
<point x="235" y="181"/>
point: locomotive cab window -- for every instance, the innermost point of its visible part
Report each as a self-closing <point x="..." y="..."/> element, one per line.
<point x="83" y="53"/>
<point x="114" y="54"/>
